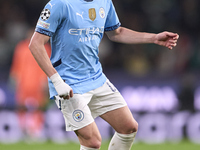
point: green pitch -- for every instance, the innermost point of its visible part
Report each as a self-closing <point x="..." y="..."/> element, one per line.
<point x="185" y="145"/>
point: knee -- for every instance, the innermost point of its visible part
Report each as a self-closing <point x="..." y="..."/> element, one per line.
<point x="130" y="128"/>
<point x="92" y="142"/>
<point x="89" y="136"/>
<point x="95" y="144"/>
<point x="135" y="127"/>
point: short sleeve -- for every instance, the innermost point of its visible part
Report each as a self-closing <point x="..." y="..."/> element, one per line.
<point x="112" y="20"/>
<point x="50" y="18"/>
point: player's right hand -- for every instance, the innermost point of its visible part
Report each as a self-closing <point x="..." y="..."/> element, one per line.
<point x="62" y="88"/>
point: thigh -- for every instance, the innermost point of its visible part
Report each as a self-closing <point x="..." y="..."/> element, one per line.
<point x="75" y="111"/>
<point x="121" y="120"/>
<point x="106" y="98"/>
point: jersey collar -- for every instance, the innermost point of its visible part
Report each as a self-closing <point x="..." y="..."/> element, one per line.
<point x="88" y="0"/>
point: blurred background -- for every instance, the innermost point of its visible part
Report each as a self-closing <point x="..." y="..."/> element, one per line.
<point x="161" y="86"/>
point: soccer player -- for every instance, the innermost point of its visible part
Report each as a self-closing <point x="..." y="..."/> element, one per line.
<point x="76" y="81"/>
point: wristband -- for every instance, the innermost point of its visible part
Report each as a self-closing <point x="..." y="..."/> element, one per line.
<point x="56" y="79"/>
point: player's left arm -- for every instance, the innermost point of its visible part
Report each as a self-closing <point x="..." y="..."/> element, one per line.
<point x="127" y="36"/>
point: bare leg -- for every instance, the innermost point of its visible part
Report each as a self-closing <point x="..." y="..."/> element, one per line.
<point x="125" y="126"/>
<point x="89" y="136"/>
<point x="121" y="120"/>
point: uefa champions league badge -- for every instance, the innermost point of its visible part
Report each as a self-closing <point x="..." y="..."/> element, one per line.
<point x="102" y="12"/>
<point x="45" y="14"/>
<point x="78" y="115"/>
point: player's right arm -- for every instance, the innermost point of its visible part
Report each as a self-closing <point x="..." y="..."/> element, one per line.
<point x="38" y="51"/>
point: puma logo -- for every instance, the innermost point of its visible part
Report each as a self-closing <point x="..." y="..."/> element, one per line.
<point x="51" y="4"/>
<point x="81" y="15"/>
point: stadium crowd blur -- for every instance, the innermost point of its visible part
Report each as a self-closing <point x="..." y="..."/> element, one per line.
<point x="181" y="16"/>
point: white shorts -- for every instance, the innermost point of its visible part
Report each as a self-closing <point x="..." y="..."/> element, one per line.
<point x="80" y="110"/>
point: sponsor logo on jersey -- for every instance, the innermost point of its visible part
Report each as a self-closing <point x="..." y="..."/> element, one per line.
<point x="43" y="24"/>
<point x="87" y="39"/>
<point x="94" y="30"/>
<point x="102" y="12"/>
<point x="78" y="115"/>
<point x="92" y="14"/>
<point x="90" y="33"/>
<point x="45" y="14"/>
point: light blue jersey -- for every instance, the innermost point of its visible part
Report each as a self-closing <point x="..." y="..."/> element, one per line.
<point x="76" y="28"/>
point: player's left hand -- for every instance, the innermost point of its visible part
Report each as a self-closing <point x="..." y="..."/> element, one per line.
<point x="167" y="39"/>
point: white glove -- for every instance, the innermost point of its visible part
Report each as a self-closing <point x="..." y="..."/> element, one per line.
<point x="62" y="88"/>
